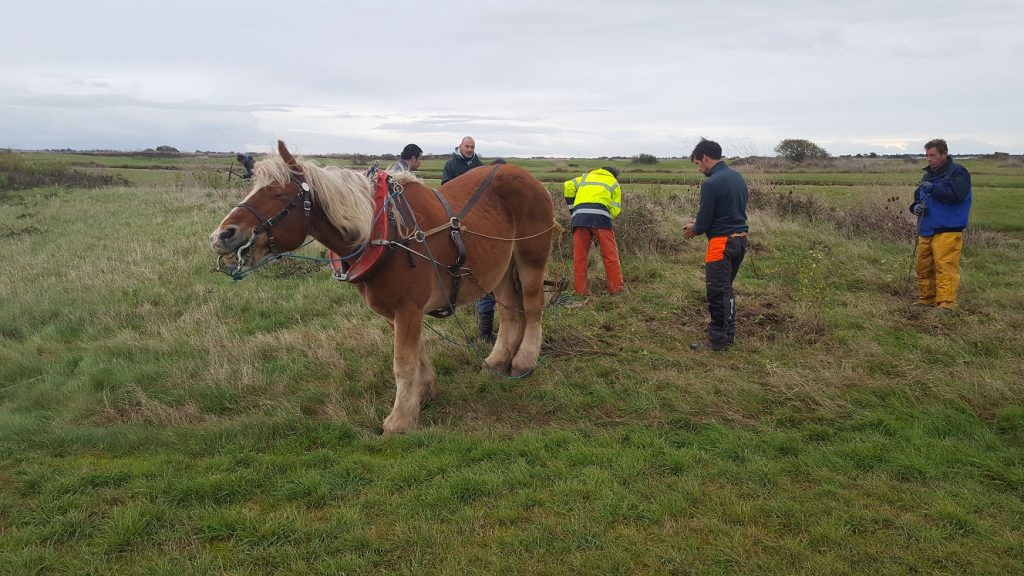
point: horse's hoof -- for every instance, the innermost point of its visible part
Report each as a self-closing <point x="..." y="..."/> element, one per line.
<point x="522" y="368"/>
<point x="430" y="395"/>
<point x="488" y="369"/>
<point x="394" y="426"/>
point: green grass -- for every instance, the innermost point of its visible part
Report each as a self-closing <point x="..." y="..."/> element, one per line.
<point x="887" y="491"/>
<point x="158" y="418"/>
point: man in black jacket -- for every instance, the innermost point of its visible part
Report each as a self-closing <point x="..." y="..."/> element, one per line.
<point x="247" y="162"/>
<point x="722" y="216"/>
<point x="463" y="160"/>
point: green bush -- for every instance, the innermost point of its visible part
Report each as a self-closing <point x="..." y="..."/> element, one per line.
<point x="796" y="150"/>
<point x="645" y="159"/>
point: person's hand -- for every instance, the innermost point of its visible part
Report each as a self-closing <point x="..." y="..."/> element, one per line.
<point x="918" y="209"/>
<point x="688" y="231"/>
<point x="925" y="185"/>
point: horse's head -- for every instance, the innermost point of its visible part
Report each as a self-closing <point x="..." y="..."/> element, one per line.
<point x="273" y="218"/>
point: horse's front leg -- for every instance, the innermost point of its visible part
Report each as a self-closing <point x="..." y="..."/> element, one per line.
<point x="415" y="382"/>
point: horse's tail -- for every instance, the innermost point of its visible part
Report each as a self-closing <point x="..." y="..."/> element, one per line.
<point x="517" y="284"/>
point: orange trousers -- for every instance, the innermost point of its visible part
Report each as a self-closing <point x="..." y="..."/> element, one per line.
<point x="581" y="239"/>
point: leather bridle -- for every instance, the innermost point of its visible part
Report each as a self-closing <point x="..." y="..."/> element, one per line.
<point x="238" y="269"/>
<point x="267" y="224"/>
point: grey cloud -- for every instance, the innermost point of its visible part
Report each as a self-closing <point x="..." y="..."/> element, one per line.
<point x="520" y="77"/>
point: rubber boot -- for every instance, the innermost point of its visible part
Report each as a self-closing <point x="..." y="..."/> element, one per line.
<point x="485" y="326"/>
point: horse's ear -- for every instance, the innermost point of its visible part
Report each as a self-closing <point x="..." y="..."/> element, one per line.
<point x="285" y="154"/>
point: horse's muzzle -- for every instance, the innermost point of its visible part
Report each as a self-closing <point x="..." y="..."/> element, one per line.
<point x="226" y="240"/>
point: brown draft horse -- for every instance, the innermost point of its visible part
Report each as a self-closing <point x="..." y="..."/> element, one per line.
<point x="507" y="235"/>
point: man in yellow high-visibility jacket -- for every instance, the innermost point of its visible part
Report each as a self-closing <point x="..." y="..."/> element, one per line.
<point x="595" y="199"/>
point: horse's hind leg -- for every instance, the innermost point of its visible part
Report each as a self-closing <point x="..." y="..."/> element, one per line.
<point x="510" y="328"/>
<point x="427" y="376"/>
<point x="415" y="382"/>
<point x="531" y="286"/>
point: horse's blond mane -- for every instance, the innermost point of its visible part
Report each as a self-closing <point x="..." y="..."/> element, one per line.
<point x="405" y="178"/>
<point x="344" y="195"/>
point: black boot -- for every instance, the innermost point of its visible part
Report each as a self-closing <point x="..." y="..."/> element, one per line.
<point x="485" y="326"/>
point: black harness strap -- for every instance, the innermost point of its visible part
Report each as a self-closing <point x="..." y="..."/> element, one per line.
<point x="455" y="269"/>
<point x="479" y="191"/>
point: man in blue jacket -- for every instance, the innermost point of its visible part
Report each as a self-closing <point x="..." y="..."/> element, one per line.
<point x="942" y="204"/>
<point x="722" y="217"/>
<point x="247" y="162"/>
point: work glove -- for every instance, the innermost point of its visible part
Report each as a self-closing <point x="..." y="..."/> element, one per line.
<point x="925" y="185"/>
<point x="918" y="209"/>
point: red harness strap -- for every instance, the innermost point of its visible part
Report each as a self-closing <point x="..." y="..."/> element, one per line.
<point x="360" y="268"/>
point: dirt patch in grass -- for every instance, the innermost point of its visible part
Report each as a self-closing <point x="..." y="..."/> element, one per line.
<point x="12" y="232"/>
<point x="579" y="344"/>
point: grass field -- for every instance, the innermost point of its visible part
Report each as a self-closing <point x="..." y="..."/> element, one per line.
<point x="158" y="418"/>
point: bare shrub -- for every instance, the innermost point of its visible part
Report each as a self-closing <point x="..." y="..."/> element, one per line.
<point x="979" y="238"/>
<point x="885" y="220"/>
<point x="17" y="174"/>
<point x="652" y="224"/>
<point x="213" y="182"/>
<point x="209" y="177"/>
<point x="648" y="224"/>
<point x="1011" y="162"/>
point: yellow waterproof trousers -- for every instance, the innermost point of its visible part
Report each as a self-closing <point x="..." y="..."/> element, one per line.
<point x="938" y="268"/>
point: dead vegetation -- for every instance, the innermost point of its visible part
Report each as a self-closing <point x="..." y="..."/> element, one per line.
<point x="17" y="174"/>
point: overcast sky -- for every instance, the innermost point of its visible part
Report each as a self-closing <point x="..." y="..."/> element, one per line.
<point x="525" y="78"/>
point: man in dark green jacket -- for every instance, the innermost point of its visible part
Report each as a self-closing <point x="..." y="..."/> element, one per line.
<point x="722" y="216"/>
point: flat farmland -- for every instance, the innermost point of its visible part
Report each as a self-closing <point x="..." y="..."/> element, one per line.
<point x="158" y="418"/>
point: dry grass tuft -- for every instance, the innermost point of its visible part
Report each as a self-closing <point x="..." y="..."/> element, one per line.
<point x="653" y="224"/>
<point x="132" y="405"/>
<point x="886" y="220"/>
